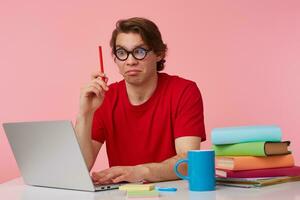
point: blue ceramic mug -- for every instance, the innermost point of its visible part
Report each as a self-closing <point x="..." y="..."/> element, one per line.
<point x="201" y="170"/>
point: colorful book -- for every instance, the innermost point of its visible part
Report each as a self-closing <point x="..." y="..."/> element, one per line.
<point x="252" y="149"/>
<point x="237" y="163"/>
<point x="241" y="134"/>
<point x="250" y="183"/>
<point x="259" y="173"/>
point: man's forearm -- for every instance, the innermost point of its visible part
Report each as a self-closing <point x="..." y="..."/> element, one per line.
<point x="164" y="171"/>
<point x="154" y="172"/>
<point x="83" y="132"/>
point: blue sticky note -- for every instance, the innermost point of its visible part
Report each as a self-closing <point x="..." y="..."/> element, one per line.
<point x="166" y="189"/>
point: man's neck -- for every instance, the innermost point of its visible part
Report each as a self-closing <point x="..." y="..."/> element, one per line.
<point x="139" y="94"/>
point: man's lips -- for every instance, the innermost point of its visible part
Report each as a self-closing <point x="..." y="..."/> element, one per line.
<point x="132" y="71"/>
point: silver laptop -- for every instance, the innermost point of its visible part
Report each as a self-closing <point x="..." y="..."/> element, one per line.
<point x="49" y="155"/>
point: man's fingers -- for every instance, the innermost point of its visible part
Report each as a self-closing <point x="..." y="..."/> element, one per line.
<point x="100" y="173"/>
<point x="106" y="179"/>
<point x="111" y="175"/>
<point x="107" y="176"/>
<point x="101" y="83"/>
<point x="94" y="179"/>
<point x="97" y="176"/>
<point x="95" y="84"/>
<point x="97" y="74"/>
<point x="106" y="79"/>
<point x="93" y="89"/>
<point x="94" y="176"/>
<point x="119" y="179"/>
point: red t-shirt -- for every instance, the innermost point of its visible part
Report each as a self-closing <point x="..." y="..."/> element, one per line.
<point x="147" y="132"/>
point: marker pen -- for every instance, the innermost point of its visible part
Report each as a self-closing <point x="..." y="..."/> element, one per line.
<point x="101" y="61"/>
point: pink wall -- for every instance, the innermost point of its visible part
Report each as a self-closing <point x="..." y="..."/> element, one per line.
<point x="244" y="56"/>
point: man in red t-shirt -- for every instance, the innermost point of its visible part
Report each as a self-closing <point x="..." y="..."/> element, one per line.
<point x="149" y="120"/>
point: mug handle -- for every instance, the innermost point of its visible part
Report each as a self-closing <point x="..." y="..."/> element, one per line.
<point x="176" y="169"/>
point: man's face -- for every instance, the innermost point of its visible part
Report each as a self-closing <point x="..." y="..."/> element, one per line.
<point x="135" y="71"/>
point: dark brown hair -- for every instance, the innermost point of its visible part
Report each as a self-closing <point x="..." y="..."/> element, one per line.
<point x="148" y="31"/>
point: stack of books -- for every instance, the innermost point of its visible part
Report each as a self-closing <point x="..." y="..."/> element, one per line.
<point x="253" y="156"/>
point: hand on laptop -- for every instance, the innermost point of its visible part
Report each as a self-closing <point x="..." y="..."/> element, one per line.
<point x="119" y="174"/>
<point x="92" y="94"/>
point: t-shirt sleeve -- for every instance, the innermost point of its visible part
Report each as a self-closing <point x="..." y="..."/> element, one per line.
<point x="189" y="119"/>
<point x="98" y="128"/>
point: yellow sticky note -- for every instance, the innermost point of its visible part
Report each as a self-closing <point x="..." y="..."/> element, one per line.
<point x="137" y="187"/>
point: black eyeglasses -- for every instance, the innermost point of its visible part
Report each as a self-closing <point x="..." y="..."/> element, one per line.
<point x="138" y="53"/>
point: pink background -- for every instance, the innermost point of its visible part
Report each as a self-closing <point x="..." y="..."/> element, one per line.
<point x="244" y="56"/>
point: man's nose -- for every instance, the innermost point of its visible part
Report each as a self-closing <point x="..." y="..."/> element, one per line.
<point x="131" y="60"/>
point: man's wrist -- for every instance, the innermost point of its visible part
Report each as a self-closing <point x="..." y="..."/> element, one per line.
<point x="145" y="172"/>
<point x="84" y="116"/>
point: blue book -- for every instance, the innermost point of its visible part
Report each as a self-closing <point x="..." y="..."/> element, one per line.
<point x="240" y="134"/>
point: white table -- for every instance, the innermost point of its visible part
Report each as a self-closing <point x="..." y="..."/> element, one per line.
<point x="16" y="190"/>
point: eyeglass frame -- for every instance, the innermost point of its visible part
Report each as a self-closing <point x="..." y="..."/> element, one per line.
<point x="131" y="52"/>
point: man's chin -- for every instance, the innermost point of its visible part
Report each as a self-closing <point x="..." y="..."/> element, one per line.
<point x="136" y="81"/>
<point x="133" y="81"/>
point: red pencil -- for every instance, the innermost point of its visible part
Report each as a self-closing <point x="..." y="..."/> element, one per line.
<point x="101" y="60"/>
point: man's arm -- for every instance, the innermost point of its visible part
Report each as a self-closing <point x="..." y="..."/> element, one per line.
<point x="164" y="171"/>
<point x="152" y="172"/>
<point x="89" y="148"/>
<point x="91" y="98"/>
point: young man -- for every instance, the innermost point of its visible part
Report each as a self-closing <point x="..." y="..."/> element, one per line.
<point x="149" y="120"/>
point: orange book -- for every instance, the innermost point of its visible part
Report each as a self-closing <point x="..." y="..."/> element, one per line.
<point x="253" y="162"/>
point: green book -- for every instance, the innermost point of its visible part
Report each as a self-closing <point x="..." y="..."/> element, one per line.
<point x="252" y="149"/>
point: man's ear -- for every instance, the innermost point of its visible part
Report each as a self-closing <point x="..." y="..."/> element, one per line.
<point x="159" y="57"/>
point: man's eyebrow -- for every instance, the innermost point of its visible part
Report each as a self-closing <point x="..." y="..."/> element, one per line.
<point x="139" y="45"/>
